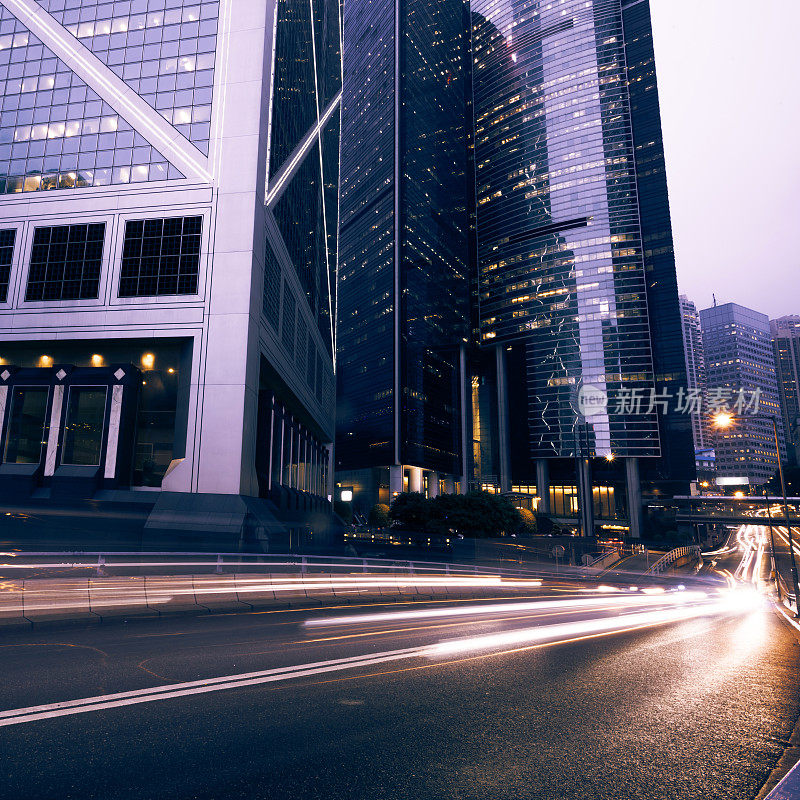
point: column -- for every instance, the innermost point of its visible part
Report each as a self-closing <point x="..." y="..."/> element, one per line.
<point x="224" y="447"/>
<point x="633" y="487"/>
<point x="466" y="417"/>
<point x="543" y="484"/>
<point x="395" y="480"/>
<point x="414" y="479"/>
<point x="433" y="484"/>
<point x="503" y="431"/>
<point x="585" y="496"/>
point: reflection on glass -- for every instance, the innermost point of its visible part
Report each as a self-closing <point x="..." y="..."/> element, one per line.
<point x="83" y="433"/>
<point x="155" y="437"/>
<point x="26" y="427"/>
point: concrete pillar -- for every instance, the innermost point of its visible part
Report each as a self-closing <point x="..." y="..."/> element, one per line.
<point x="503" y="428"/>
<point x="433" y="484"/>
<point x="633" y="488"/>
<point x="414" y="479"/>
<point x="224" y="448"/>
<point x="395" y="480"/>
<point x="449" y="485"/>
<point x="585" y="496"/>
<point x="466" y="416"/>
<point x="543" y="484"/>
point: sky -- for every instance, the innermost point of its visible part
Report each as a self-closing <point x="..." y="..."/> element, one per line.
<point x="729" y="85"/>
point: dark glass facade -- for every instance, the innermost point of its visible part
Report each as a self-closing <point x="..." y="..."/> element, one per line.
<point x="403" y="315"/>
<point x="307" y="80"/>
<point x="676" y="466"/>
<point x="571" y="228"/>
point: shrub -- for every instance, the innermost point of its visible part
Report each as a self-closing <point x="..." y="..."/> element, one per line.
<point x="379" y="515"/>
<point x="411" y="509"/>
<point x="343" y="510"/>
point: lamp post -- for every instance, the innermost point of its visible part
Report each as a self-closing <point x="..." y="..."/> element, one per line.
<point x="771" y="539"/>
<point x="724" y="420"/>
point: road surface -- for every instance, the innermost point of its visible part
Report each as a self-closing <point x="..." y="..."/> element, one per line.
<point x="575" y="695"/>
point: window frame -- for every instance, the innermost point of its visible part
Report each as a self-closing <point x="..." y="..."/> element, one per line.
<point x="203" y="272"/>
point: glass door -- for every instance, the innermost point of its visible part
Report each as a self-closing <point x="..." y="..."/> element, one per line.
<point x="83" y="432"/>
<point x="27" y="425"/>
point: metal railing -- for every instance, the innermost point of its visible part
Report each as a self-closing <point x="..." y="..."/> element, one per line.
<point x="674" y="555"/>
<point x="218" y="563"/>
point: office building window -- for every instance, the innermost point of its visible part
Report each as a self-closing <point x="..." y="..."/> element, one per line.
<point x="7" y="238"/>
<point x="65" y="262"/>
<point x="161" y="257"/>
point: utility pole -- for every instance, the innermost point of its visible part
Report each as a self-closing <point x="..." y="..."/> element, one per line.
<point x="771" y="541"/>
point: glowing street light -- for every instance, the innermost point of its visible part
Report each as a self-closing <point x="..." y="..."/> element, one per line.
<point x="724" y="419"/>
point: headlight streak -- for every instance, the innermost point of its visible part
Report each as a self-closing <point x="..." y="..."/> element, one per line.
<point x="62" y="594"/>
<point x="496" y="644"/>
<point x="569" y="630"/>
<point x="640" y="599"/>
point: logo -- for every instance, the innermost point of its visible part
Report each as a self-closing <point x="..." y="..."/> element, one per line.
<point x="592" y="401"/>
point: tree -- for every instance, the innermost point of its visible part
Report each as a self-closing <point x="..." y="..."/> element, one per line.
<point x="379" y="515"/>
<point x="411" y="509"/>
<point x="476" y="514"/>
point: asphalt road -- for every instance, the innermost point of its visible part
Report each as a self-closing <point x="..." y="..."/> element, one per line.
<point x="696" y="708"/>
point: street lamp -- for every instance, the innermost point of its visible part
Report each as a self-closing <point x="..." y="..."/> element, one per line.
<point x="724" y="419"/>
<point x="771" y="540"/>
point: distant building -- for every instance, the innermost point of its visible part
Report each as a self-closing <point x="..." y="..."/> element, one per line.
<point x="695" y="366"/>
<point x="739" y="357"/>
<point x="168" y="198"/>
<point x="786" y="342"/>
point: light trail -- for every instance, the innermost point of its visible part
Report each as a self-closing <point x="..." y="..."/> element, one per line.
<point x="63" y="594"/>
<point x="734" y="603"/>
<point x="628" y="601"/>
<point x="684" y="609"/>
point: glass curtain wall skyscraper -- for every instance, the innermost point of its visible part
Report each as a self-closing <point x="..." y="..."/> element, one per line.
<point x="695" y="367"/>
<point x="403" y="294"/>
<point x="786" y="343"/>
<point x="575" y="266"/>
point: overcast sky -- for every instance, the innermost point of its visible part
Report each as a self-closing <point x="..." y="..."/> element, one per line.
<point x="729" y="84"/>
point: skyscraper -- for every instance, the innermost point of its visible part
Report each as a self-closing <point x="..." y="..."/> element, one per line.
<point x="786" y="343"/>
<point x="739" y="356"/>
<point x="168" y="222"/>
<point x="403" y="294"/>
<point x="695" y="367"/>
<point x="576" y="271"/>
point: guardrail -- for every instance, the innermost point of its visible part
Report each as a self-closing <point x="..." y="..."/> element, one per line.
<point x="218" y="563"/>
<point x="674" y="555"/>
<point x="785" y="595"/>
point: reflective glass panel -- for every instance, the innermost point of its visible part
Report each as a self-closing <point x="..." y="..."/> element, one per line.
<point x="26" y="426"/>
<point x="83" y="432"/>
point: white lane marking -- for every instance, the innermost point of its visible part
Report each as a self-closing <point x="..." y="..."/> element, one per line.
<point x="18" y="716"/>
